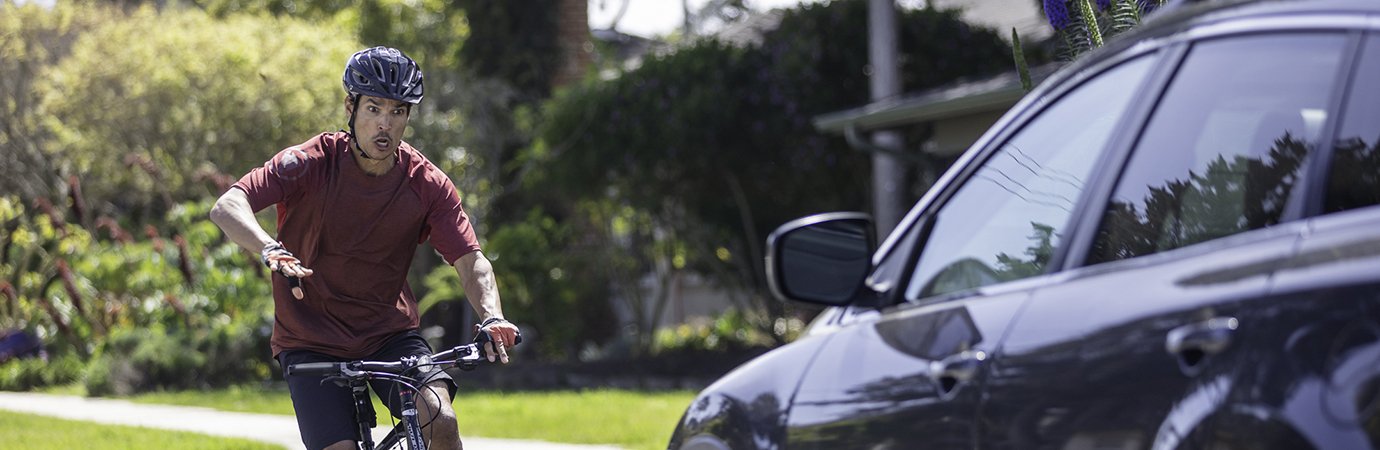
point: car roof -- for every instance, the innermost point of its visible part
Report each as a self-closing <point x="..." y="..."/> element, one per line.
<point x="1178" y="17"/>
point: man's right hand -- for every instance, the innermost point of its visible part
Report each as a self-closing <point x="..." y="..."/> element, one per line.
<point x="279" y="259"/>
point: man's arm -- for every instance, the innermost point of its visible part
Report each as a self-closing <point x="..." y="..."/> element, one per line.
<point x="481" y="289"/>
<point x="235" y="218"/>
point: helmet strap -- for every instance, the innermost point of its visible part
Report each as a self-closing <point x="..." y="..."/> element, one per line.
<point x="354" y="137"/>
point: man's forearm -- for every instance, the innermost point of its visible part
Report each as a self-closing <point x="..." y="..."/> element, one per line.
<point x="481" y="289"/>
<point x="235" y="218"/>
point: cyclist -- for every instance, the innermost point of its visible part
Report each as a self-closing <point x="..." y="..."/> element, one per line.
<point x="352" y="208"/>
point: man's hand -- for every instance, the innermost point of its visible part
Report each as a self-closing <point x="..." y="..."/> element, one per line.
<point x="503" y="335"/>
<point x="279" y="259"/>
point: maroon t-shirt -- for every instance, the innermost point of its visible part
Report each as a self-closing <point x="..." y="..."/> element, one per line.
<point x="358" y="233"/>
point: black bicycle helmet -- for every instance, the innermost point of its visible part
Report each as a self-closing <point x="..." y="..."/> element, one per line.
<point x="384" y="72"/>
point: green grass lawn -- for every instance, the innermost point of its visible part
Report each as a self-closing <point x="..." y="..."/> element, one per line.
<point x="631" y="419"/>
<point x="19" y="430"/>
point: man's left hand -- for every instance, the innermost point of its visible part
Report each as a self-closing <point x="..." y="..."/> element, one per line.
<point x="503" y="335"/>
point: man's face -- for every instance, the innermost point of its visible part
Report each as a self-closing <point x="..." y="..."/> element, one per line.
<point x="379" y="124"/>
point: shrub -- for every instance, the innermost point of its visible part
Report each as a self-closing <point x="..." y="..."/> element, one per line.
<point x="29" y="373"/>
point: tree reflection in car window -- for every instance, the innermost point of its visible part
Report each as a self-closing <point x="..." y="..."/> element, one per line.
<point x="1222" y="151"/>
<point x="1007" y="218"/>
<point x="1355" y="174"/>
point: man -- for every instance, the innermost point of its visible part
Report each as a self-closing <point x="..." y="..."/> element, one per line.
<point x="352" y="208"/>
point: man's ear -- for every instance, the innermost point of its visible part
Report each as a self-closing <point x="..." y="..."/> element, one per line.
<point x="349" y="106"/>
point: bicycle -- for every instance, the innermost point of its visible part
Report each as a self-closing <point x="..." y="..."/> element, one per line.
<point x="356" y="374"/>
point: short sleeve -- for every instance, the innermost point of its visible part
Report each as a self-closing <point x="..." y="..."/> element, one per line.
<point x="450" y="230"/>
<point x="279" y="178"/>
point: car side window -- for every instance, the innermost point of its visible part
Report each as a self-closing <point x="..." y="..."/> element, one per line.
<point x="1354" y="178"/>
<point x="1008" y="217"/>
<point x="1222" y="151"/>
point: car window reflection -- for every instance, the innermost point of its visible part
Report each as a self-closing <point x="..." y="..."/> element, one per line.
<point x="1354" y="181"/>
<point x="1222" y="152"/>
<point x="1005" y="221"/>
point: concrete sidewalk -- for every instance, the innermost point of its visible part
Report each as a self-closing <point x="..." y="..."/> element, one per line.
<point x="276" y="429"/>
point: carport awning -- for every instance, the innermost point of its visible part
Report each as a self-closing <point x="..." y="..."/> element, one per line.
<point x="993" y="94"/>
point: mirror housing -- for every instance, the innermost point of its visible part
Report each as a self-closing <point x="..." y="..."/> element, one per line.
<point x="821" y="259"/>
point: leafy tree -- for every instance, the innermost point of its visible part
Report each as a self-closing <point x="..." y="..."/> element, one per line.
<point x="311" y="9"/>
<point x="32" y="39"/>
<point x="713" y="143"/>
<point x="169" y="102"/>
<point x="513" y="41"/>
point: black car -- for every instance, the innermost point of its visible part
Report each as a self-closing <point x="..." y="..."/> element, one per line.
<point x="1172" y="243"/>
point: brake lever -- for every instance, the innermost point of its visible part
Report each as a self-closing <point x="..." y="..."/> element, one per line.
<point x="338" y="380"/>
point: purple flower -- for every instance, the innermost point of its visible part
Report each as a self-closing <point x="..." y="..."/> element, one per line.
<point x="1102" y="5"/>
<point x="1058" y="13"/>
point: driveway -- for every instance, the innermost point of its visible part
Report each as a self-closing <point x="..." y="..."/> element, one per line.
<point x="276" y="429"/>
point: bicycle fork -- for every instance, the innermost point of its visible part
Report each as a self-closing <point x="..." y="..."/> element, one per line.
<point x="409" y="413"/>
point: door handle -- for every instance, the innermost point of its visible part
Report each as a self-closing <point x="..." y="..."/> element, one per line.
<point x="1194" y="342"/>
<point x="956" y="369"/>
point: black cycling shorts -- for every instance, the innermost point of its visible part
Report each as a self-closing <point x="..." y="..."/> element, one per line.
<point x="326" y="412"/>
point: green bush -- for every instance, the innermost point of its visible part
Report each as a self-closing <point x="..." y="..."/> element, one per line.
<point x="29" y="373"/>
<point x="732" y="331"/>
<point x="140" y="360"/>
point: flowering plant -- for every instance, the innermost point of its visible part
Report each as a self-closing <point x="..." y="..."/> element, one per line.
<point x="1080" y="25"/>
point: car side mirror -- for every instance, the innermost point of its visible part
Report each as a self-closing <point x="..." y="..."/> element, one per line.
<point x="821" y="259"/>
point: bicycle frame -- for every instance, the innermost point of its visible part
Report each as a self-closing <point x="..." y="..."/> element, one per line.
<point x="358" y="373"/>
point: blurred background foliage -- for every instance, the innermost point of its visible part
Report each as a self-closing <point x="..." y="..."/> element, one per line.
<point x="712" y="180"/>
<point x="121" y="122"/>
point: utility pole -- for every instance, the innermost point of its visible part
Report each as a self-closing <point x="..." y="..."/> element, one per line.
<point x="888" y="172"/>
<point x="685" y="18"/>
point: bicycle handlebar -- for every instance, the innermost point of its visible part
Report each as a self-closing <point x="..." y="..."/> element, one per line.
<point x="461" y="355"/>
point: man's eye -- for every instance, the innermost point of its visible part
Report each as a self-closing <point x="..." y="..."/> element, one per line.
<point x="373" y="109"/>
<point x="398" y="111"/>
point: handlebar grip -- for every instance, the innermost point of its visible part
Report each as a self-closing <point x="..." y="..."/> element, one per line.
<point x="316" y="369"/>
<point x="485" y="337"/>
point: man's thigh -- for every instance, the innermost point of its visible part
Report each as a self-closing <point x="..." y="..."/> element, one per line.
<point x="325" y="412"/>
<point x="411" y="344"/>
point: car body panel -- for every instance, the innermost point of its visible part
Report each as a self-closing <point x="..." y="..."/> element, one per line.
<point x="912" y="387"/>
<point x="1314" y="366"/>
<point x="747" y="408"/>
<point x="1087" y="361"/>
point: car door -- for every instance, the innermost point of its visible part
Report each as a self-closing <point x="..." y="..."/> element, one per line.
<point x="911" y="376"/>
<point x="1317" y="381"/>
<point x="1139" y="347"/>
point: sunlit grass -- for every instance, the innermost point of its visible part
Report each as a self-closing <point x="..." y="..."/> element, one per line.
<point x="634" y="420"/>
<point x="630" y="419"/>
<point x="20" y="430"/>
